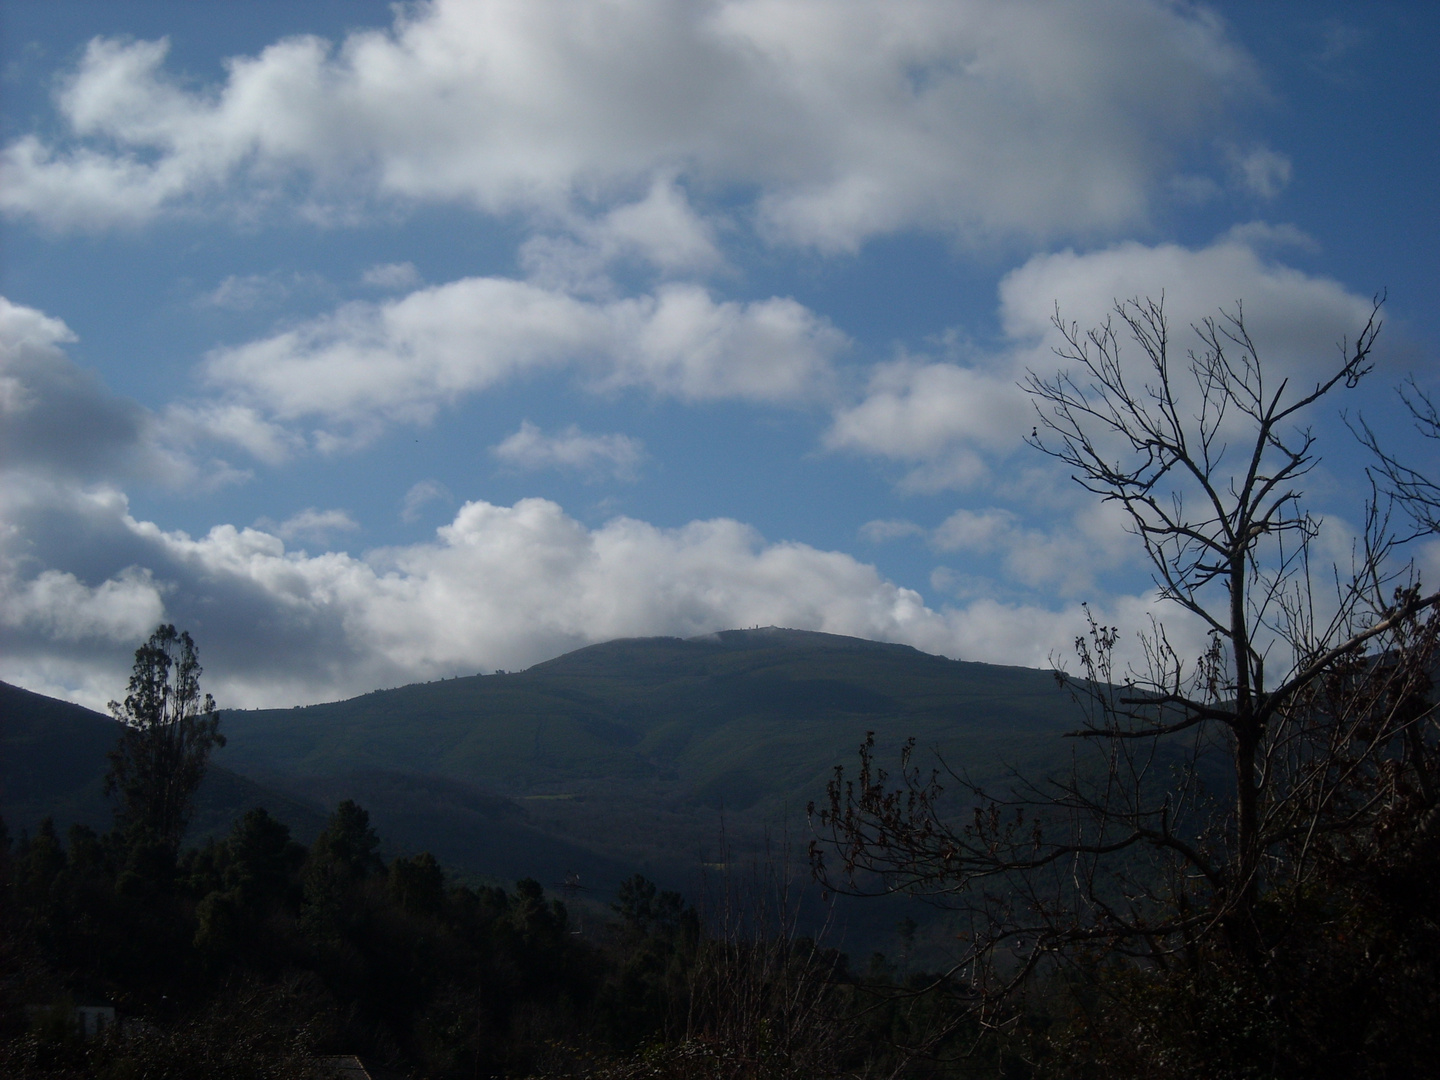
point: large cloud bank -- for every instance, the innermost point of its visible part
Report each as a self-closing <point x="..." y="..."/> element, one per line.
<point x="977" y="117"/>
<point x="497" y="587"/>
<point x="82" y="580"/>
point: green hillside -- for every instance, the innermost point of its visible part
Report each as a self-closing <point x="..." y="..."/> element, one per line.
<point x="631" y="748"/>
<point x="53" y="763"/>
<point x="53" y="759"/>
<point x="632" y="755"/>
<point x="671" y="757"/>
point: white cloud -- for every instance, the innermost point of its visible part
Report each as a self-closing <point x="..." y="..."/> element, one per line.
<point x="24" y="330"/>
<point x="238" y="425"/>
<point x="1034" y="635"/>
<point x="683" y="344"/>
<point x="56" y="419"/>
<point x="1295" y="318"/>
<point x="400" y="360"/>
<point x="57" y="605"/>
<point x="1064" y="557"/>
<point x="935" y="416"/>
<point x="531" y="449"/>
<point x="661" y="230"/>
<point x="1261" y="236"/>
<point x="975" y="117"/>
<point x="948" y="421"/>
<point x="974" y="530"/>
<point x="497" y="587"/>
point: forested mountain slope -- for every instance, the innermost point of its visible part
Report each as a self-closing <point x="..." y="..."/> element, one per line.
<point x="53" y="758"/>
<point x="632" y="748"/>
<point x="631" y="755"/>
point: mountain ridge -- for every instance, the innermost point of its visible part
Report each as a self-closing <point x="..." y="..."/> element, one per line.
<point x="628" y="754"/>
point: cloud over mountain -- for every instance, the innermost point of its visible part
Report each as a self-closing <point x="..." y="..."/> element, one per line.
<point x="499" y="586"/>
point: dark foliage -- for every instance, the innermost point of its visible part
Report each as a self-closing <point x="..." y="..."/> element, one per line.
<point x="169" y="730"/>
<point x="253" y="956"/>
<point x="1236" y="877"/>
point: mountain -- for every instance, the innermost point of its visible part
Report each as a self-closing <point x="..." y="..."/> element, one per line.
<point x="630" y="750"/>
<point x="675" y="758"/>
<point x="661" y="755"/>
<point x="53" y="759"/>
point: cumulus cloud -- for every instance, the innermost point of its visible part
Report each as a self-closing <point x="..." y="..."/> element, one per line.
<point x="227" y="422"/>
<point x="400" y="360"/>
<point x="947" y="420"/>
<point x="56" y="419"/>
<point x="1037" y="635"/>
<point x="974" y="530"/>
<point x="60" y="422"/>
<point x="82" y="581"/>
<point x="1295" y="318"/>
<point x="497" y="587"/>
<point x="572" y="449"/>
<point x="661" y="231"/>
<point x="935" y="416"/>
<point x="1065" y="557"/>
<point x="59" y="606"/>
<point x="977" y="117"/>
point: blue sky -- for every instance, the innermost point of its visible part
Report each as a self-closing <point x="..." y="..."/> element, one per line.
<point x="380" y="343"/>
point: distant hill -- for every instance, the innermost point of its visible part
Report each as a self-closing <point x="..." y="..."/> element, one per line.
<point x="629" y="750"/>
<point x="53" y="759"/>
<point x="659" y="755"/>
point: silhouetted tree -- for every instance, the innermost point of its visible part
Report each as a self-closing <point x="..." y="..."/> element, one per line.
<point x="169" y="730"/>
<point x="1234" y="794"/>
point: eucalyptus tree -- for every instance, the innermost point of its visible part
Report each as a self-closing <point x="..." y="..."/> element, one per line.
<point x="169" y="728"/>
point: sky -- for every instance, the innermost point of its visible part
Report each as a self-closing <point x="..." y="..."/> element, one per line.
<point x="380" y="343"/>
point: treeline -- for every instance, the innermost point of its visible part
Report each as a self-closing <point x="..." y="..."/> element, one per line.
<point x="254" y="956"/>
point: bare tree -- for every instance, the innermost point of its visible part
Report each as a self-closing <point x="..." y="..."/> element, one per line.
<point x="1203" y="788"/>
<point x="169" y="731"/>
<point x="1413" y="490"/>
